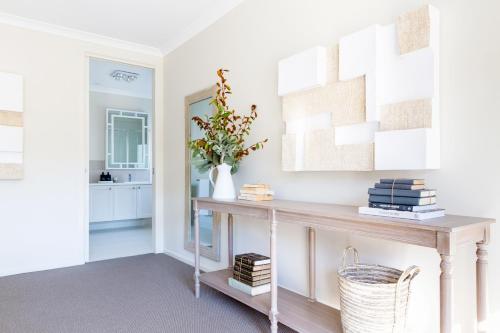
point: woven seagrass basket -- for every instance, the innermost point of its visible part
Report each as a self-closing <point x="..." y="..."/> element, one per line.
<point x="373" y="298"/>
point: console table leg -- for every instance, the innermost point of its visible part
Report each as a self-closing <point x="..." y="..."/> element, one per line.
<point x="482" y="287"/>
<point x="196" y="250"/>
<point x="312" y="264"/>
<point x="446" y="293"/>
<point x="230" y="240"/>
<point x="273" y="313"/>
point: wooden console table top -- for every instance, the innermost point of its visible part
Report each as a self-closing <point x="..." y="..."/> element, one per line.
<point x="448" y="223"/>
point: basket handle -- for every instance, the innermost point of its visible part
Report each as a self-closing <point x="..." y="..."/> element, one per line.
<point x="346" y="252"/>
<point x="409" y="273"/>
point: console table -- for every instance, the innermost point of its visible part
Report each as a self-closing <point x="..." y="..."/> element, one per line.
<point x="304" y="314"/>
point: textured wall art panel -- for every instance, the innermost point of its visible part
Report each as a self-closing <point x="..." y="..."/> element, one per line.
<point x="414" y="29"/>
<point x="288" y="153"/>
<point x="379" y="79"/>
<point x="406" y="115"/>
<point x="11" y="126"/>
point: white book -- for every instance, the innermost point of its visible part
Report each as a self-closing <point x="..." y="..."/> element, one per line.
<point x="252" y="291"/>
<point x="422" y="215"/>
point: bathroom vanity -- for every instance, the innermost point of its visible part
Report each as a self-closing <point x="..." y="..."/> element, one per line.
<point x="120" y="201"/>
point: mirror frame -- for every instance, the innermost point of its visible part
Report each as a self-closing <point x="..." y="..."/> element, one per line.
<point x="146" y="132"/>
<point x="212" y="252"/>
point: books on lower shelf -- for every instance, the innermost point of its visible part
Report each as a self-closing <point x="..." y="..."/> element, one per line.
<point x="251" y="273"/>
<point x="252" y="259"/>
<point x="256" y="192"/>
<point x="402" y="198"/>
<point x="252" y="291"/>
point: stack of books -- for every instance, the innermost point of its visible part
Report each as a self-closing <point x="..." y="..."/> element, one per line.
<point x="402" y="198"/>
<point x="256" y="192"/>
<point x="251" y="274"/>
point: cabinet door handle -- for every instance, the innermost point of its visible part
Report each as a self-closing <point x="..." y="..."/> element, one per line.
<point x="133" y="188"/>
<point x="109" y="188"/>
<point x="139" y="188"/>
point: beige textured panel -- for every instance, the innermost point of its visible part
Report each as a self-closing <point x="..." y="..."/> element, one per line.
<point x="288" y="152"/>
<point x="11" y="171"/>
<point x="10" y="118"/>
<point x="359" y="157"/>
<point x="321" y="153"/>
<point x="406" y="115"/>
<point x="345" y="100"/>
<point x="414" y="30"/>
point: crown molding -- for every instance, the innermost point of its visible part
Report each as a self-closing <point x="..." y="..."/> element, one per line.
<point x="90" y="37"/>
<point x="209" y="17"/>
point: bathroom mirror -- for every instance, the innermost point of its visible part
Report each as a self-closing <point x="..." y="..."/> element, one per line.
<point x="127" y="137"/>
<point x="197" y="184"/>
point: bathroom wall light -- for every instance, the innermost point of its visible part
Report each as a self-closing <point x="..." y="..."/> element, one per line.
<point x="124" y="75"/>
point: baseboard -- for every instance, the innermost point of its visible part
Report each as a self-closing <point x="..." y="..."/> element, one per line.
<point x="187" y="260"/>
<point x="41" y="268"/>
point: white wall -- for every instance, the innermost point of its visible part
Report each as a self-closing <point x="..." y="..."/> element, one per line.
<point x="99" y="102"/>
<point x="251" y="39"/>
<point x="42" y="220"/>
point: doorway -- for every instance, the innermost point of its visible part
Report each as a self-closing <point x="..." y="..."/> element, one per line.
<point x="120" y="165"/>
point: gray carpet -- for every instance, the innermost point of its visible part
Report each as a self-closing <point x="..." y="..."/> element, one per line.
<point x="148" y="293"/>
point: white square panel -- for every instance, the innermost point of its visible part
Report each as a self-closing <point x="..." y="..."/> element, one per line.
<point x="414" y="149"/>
<point x="11" y="139"/>
<point x="11" y="92"/>
<point x="302" y="71"/>
<point x="356" y="134"/>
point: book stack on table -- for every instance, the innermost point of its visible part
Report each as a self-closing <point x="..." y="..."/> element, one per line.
<point x="251" y="274"/>
<point x="402" y="198"/>
<point x="256" y="192"/>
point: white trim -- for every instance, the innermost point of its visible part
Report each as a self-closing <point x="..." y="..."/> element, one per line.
<point x="156" y="143"/>
<point x="188" y="261"/>
<point x="50" y="28"/>
<point x="209" y="17"/>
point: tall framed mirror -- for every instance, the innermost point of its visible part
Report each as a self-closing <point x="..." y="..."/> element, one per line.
<point x="197" y="184"/>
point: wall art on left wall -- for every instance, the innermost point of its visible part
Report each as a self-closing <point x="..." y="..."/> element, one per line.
<point x="11" y="126"/>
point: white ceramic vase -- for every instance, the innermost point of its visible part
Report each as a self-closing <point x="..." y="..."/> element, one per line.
<point x="223" y="186"/>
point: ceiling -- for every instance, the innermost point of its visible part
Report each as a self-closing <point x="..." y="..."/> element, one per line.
<point x="102" y="81"/>
<point x="159" y="25"/>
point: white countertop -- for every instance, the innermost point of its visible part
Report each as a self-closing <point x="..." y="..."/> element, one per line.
<point x="121" y="184"/>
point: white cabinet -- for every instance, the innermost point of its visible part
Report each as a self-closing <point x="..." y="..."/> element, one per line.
<point x="101" y="203"/>
<point x="125" y="202"/>
<point x="120" y="202"/>
<point x="144" y="201"/>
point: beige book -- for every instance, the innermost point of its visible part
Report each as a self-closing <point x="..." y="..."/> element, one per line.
<point x="251" y="197"/>
<point x="261" y="191"/>
<point x="246" y="186"/>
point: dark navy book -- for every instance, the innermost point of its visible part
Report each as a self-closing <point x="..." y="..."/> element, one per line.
<point x="402" y="193"/>
<point x="400" y="186"/>
<point x="404" y="208"/>
<point x="402" y="200"/>
<point x="403" y="181"/>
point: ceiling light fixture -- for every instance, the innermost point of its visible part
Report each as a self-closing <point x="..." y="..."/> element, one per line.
<point x="124" y="75"/>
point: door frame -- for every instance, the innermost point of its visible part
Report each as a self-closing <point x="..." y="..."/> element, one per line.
<point x="157" y="149"/>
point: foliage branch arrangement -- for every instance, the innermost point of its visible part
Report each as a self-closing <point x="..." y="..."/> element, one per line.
<point x="224" y="132"/>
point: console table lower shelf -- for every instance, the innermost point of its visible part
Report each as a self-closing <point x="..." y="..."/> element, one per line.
<point x="295" y="311"/>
